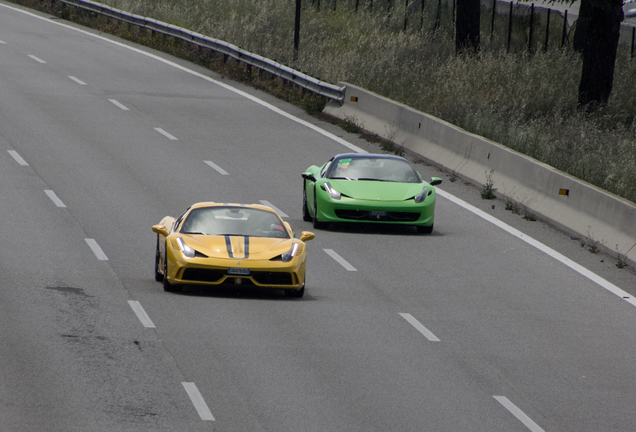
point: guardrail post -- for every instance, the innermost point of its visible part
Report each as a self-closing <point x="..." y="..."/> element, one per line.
<point x="633" y="37"/>
<point x="406" y="9"/>
<point x="422" y="16"/>
<point x="438" y="16"/>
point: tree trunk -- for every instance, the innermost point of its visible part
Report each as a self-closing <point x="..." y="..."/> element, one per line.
<point x="580" y="28"/>
<point x="467" y="26"/>
<point x="599" y="55"/>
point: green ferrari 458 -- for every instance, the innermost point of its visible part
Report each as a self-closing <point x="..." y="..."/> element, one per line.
<point x="369" y="188"/>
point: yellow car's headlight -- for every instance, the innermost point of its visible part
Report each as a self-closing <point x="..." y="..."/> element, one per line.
<point x="186" y="250"/>
<point x="290" y="254"/>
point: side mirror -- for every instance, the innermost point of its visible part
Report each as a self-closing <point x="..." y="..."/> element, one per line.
<point x="435" y="181"/>
<point x="306" y="236"/>
<point x="309" y="177"/>
<point x="160" y="229"/>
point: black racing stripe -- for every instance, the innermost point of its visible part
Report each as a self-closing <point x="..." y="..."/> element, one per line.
<point x="228" y="245"/>
<point x="246" y="247"/>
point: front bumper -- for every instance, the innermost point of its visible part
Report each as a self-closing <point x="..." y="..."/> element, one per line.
<point x="406" y="212"/>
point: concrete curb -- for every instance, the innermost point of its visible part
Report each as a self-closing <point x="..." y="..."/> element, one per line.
<point x="564" y="201"/>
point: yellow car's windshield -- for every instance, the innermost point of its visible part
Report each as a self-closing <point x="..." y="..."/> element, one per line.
<point x="233" y="220"/>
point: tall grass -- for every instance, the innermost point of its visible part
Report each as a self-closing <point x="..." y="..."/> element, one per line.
<point x="526" y="102"/>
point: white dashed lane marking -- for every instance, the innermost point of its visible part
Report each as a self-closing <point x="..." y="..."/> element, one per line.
<point x="39" y="60"/>
<point x="125" y="108"/>
<point x="216" y="167"/>
<point x="415" y="323"/>
<point x="77" y="80"/>
<point x="340" y="260"/>
<point x="198" y="401"/>
<point x="166" y="134"/>
<point x="58" y="202"/>
<point x="14" y="154"/>
<point x="521" y="416"/>
<point x="99" y="253"/>
<point x="141" y="314"/>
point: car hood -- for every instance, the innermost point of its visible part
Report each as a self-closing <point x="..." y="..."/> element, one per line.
<point x="377" y="190"/>
<point x="233" y="247"/>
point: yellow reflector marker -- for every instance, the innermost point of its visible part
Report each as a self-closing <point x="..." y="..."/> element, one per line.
<point x="565" y="192"/>
<point x="354" y="98"/>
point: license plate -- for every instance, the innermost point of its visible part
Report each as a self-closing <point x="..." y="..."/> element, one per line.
<point x="378" y="213"/>
<point x="238" y="271"/>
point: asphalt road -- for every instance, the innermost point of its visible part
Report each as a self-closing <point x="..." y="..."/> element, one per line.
<point x="473" y="328"/>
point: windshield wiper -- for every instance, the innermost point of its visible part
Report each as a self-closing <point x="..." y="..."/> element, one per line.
<point x="193" y="232"/>
<point x="339" y="178"/>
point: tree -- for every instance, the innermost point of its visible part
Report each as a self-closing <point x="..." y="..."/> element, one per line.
<point x="599" y="51"/>
<point x="467" y="26"/>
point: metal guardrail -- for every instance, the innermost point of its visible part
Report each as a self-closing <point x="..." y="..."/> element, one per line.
<point x="322" y="88"/>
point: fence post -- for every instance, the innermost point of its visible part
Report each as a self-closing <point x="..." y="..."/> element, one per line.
<point x="422" y="17"/>
<point x="334" y="5"/>
<point x="406" y="10"/>
<point x="565" y="28"/>
<point x="510" y="25"/>
<point x="547" y="31"/>
<point x="492" y="19"/>
<point x="297" y="29"/>
<point x="438" y="17"/>
<point x="357" y="2"/>
<point x="531" y="28"/>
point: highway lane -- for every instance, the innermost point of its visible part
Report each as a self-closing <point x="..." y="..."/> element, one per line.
<point x="519" y="334"/>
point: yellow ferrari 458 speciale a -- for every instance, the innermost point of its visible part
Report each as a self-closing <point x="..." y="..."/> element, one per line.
<point x="238" y="244"/>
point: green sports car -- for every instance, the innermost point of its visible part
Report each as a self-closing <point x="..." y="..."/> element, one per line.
<point x="369" y="188"/>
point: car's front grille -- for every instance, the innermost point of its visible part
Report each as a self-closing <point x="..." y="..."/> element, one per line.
<point x="202" y="274"/>
<point x="272" y="278"/>
<point x="365" y="215"/>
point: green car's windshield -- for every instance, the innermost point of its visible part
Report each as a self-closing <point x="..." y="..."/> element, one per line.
<point x="373" y="169"/>
<point x="232" y="220"/>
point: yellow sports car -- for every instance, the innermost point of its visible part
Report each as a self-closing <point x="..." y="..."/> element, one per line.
<point x="238" y="244"/>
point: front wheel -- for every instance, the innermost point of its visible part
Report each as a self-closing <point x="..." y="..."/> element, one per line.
<point x="158" y="275"/>
<point x="167" y="286"/>
<point x="424" y="229"/>
<point x="306" y="215"/>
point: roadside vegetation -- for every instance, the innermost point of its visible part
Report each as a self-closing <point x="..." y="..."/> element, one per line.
<point x="527" y="102"/>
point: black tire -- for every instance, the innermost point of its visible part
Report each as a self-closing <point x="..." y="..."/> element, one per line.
<point x="424" y="229"/>
<point x="314" y="216"/>
<point x="295" y="293"/>
<point x="167" y="286"/>
<point x="306" y="216"/>
<point x="158" y="275"/>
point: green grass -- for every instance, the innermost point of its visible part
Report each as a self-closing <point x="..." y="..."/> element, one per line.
<point x="527" y="103"/>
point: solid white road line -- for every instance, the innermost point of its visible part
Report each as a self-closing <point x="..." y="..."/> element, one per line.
<point x="543" y="248"/>
<point x="340" y="260"/>
<point x="415" y="323"/>
<point x="99" y="253"/>
<point x="126" y="109"/>
<point x="79" y="81"/>
<point x="166" y="134"/>
<point x="216" y="167"/>
<point x="39" y="60"/>
<point x="141" y="314"/>
<point x="198" y="401"/>
<point x="521" y="416"/>
<point x="269" y="204"/>
<point x="14" y="154"/>
<point x="58" y="202"/>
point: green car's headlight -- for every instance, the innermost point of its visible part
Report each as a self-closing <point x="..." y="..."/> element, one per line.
<point x="290" y="254"/>
<point x="332" y="192"/>
<point x="422" y="196"/>
<point x="187" y="251"/>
